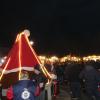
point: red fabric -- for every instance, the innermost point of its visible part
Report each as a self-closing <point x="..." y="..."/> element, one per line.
<point x="13" y="54"/>
<point x="10" y="93"/>
<point x="37" y="91"/>
<point x="28" y="58"/>
<point x="56" y="89"/>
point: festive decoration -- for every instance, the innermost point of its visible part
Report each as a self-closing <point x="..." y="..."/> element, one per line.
<point x="70" y="58"/>
<point x="22" y="57"/>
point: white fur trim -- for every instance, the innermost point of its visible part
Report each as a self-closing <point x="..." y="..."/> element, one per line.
<point x="17" y="69"/>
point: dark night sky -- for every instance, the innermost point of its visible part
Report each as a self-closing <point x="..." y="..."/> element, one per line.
<point x="57" y="26"/>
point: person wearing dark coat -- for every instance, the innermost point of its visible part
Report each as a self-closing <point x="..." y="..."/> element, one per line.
<point x="72" y="72"/>
<point x="91" y="78"/>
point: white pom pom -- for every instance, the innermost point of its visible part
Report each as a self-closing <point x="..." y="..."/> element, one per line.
<point x="27" y="32"/>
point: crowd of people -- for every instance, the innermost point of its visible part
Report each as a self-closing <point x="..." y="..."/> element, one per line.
<point x="79" y="77"/>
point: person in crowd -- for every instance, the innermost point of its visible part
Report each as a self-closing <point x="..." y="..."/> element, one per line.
<point x="60" y="73"/>
<point x="91" y="79"/>
<point x="72" y="75"/>
<point x="24" y="89"/>
<point x="50" y="66"/>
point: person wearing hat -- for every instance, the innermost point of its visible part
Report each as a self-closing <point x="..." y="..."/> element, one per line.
<point x="24" y="89"/>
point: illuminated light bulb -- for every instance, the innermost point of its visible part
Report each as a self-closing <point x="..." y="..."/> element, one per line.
<point x="2" y="60"/>
<point x="31" y="42"/>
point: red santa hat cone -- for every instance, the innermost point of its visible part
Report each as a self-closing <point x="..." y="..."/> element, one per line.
<point x="22" y="56"/>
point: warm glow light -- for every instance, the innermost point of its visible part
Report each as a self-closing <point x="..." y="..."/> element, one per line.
<point x="2" y="60"/>
<point x="42" y="59"/>
<point x="4" y="69"/>
<point x="70" y="58"/>
<point x="17" y="38"/>
<point x="42" y="68"/>
<point x="31" y="42"/>
<point x="47" y="72"/>
<point x="54" y="59"/>
<point x="19" y="52"/>
<point x="91" y="58"/>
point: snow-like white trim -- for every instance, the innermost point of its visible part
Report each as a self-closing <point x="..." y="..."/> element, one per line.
<point x="17" y="69"/>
